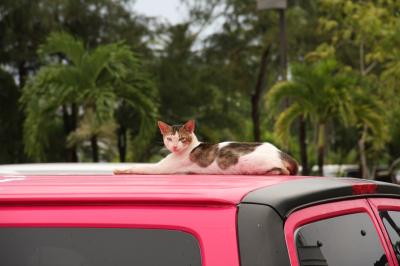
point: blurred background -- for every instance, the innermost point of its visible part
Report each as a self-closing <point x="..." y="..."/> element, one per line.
<point x="86" y="80"/>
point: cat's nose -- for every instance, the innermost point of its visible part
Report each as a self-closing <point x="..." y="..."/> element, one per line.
<point x="174" y="148"/>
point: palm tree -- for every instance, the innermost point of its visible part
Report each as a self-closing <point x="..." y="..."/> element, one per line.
<point x="372" y="127"/>
<point x="89" y="129"/>
<point x="77" y="82"/>
<point x="318" y="93"/>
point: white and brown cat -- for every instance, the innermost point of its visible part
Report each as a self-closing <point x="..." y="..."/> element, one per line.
<point x="189" y="156"/>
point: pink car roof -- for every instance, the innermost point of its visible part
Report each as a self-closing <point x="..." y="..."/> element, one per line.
<point x="136" y="189"/>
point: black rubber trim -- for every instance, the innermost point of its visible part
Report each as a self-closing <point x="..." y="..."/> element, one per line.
<point x="299" y="193"/>
<point x="261" y="236"/>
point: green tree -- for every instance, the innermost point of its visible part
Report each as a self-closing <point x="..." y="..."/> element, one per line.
<point x="319" y="93"/>
<point x="10" y="120"/>
<point x="371" y="124"/>
<point x="86" y="86"/>
<point x="192" y="87"/>
<point x="242" y="56"/>
<point x="25" y="24"/>
<point x="357" y="33"/>
<point x="389" y="81"/>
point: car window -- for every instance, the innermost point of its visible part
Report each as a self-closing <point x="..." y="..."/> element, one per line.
<point x="343" y="240"/>
<point x="97" y="247"/>
<point x="391" y="220"/>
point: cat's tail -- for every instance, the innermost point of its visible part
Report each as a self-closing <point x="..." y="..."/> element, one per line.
<point x="289" y="163"/>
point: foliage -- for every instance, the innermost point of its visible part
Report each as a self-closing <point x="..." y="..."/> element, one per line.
<point x="343" y="61"/>
<point x="97" y="81"/>
<point x="323" y="94"/>
<point x="10" y="121"/>
<point x="317" y="92"/>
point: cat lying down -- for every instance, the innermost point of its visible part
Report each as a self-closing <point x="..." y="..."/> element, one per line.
<point x="189" y="156"/>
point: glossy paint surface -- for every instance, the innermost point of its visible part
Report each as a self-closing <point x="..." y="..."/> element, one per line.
<point x="214" y="228"/>
<point x="325" y="211"/>
<point x="204" y="206"/>
<point x="138" y="189"/>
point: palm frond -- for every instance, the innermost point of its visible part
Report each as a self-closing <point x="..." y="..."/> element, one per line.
<point x="281" y="91"/>
<point x="285" y="121"/>
<point x="39" y="116"/>
<point x="97" y="81"/>
<point x="65" y="44"/>
<point x="89" y="126"/>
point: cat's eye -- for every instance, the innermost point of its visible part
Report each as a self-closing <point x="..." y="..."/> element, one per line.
<point x="182" y="139"/>
<point x="169" y="139"/>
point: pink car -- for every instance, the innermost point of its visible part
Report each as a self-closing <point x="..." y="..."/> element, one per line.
<point x="105" y="220"/>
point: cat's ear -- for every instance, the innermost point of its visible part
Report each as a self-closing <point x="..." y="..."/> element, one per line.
<point x="189" y="126"/>
<point x="164" y="127"/>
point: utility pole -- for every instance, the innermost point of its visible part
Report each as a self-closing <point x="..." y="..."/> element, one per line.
<point x="280" y="6"/>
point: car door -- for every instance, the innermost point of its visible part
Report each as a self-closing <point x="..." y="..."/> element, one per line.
<point x="388" y="212"/>
<point x="336" y="234"/>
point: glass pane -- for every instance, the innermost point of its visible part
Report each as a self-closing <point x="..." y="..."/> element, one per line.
<point x="349" y="240"/>
<point x="97" y="247"/>
<point x="391" y="220"/>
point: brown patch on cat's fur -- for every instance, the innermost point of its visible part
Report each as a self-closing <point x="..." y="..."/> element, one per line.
<point x="185" y="135"/>
<point x="171" y="130"/>
<point x="204" y="154"/>
<point x="229" y="154"/>
<point x="182" y="133"/>
<point x="175" y="128"/>
<point x="290" y="164"/>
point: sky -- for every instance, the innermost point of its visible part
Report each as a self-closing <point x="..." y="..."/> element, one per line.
<point x="175" y="12"/>
<point x="171" y="10"/>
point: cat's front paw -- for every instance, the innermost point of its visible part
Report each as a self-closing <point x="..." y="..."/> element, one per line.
<point x="121" y="171"/>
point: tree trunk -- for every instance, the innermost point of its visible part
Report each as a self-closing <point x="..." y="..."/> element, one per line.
<point x="282" y="44"/>
<point x="256" y="95"/>
<point x="362" y="153"/>
<point x="22" y="74"/>
<point x="303" y="146"/>
<point x="95" y="148"/>
<point x="364" y="169"/>
<point x="19" y="155"/>
<point x="122" y="143"/>
<point x="70" y="124"/>
<point x="361" y="142"/>
<point x="392" y="169"/>
<point x="73" y="126"/>
<point x="321" y="148"/>
<point x="362" y="64"/>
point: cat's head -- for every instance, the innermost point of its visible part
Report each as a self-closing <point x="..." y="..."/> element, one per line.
<point x="177" y="138"/>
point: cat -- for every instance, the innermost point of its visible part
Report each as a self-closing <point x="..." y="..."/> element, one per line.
<point x="189" y="156"/>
